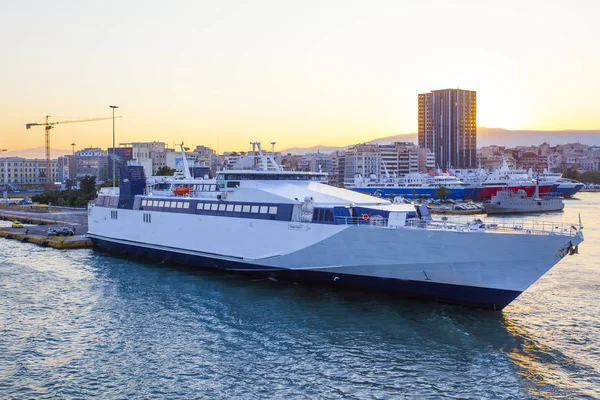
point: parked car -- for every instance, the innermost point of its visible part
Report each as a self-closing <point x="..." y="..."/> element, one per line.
<point x="66" y="231"/>
<point x="17" y="224"/>
<point x="51" y="232"/>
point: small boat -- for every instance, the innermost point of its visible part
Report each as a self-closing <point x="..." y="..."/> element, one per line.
<point x="182" y="190"/>
<point x="508" y="202"/>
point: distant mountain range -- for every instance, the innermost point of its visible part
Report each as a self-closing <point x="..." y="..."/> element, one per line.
<point x="485" y="137"/>
<point x="35" y="152"/>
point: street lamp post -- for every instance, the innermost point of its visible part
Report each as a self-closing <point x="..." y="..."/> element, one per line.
<point x="5" y="192"/>
<point x="72" y="167"/>
<point x="114" y="164"/>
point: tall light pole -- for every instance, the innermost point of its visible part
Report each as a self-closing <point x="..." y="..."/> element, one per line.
<point x="5" y="192"/>
<point x="114" y="164"/>
<point x="72" y="167"/>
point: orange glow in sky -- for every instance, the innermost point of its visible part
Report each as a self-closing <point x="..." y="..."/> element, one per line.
<point x="222" y="74"/>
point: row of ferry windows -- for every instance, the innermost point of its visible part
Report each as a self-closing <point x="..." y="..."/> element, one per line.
<point x="162" y="203"/>
<point x="213" y="206"/>
<point x="197" y="188"/>
<point x="270" y="177"/>
<point x="246" y="208"/>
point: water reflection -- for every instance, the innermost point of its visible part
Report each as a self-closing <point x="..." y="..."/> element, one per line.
<point x="547" y="372"/>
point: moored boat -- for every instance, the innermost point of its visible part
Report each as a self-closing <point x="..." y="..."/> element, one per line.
<point x="508" y="202"/>
<point x="291" y="225"/>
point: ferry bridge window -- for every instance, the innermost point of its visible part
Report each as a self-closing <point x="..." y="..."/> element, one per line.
<point x="186" y="205"/>
<point x="254" y="209"/>
<point x="144" y="202"/>
<point x="237" y="208"/>
<point x="222" y="207"/>
<point x="214" y="207"/>
<point x="207" y="206"/>
<point x="213" y="188"/>
<point x="229" y="207"/>
<point x="264" y="209"/>
<point x="167" y="204"/>
<point x="199" y="206"/>
<point x="155" y="203"/>
<point x="246" y="208"/>
<point x="179" y="204"/>
<point x="173" y="204"/>
<point x="272" y="210"/>
<point x="161" y="203"/>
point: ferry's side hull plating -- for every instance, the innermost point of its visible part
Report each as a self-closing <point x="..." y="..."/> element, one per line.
<point x="472" y="268"/>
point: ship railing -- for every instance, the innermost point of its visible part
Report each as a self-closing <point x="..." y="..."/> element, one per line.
<point x="490" y="225"/>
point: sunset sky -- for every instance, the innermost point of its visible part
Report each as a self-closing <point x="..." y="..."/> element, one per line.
<point x="300" y="73"/>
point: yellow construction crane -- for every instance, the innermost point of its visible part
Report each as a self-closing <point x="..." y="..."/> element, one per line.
<point x="49" y="125"/>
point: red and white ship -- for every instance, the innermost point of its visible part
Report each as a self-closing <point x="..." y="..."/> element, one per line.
<point x="503" y="179"/>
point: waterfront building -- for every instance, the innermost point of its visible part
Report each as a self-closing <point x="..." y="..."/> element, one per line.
<point x="363" y="159"/>
<point x="67" y="170"/>
<point x="19" y="172"/>
<point x="207" y="157"/>
<point x="316" y="162"/>
<point x="92" y="161"/>
<point x="448" y="126"/>
<point x="151" y="155"/>
<point x="338" y="166"/>
<point x="246" y="160"/>
<point x="121" y="156"/>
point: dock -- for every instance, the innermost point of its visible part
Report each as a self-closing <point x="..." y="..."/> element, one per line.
<point x="37" y="224"/>
<point x="456" y="212"/>
<point x="57" y="242"/>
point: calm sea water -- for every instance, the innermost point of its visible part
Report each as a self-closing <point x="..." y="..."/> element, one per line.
<point x="83" y="324"/>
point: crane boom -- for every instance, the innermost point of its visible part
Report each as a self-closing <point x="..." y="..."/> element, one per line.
<point x="49" y="125"/>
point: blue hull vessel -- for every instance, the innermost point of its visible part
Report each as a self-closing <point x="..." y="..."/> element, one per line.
<point x="565" y="191"/>
<point x="454" y="193"/>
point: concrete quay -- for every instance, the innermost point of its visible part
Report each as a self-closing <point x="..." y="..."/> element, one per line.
<point x="37" y="224"/>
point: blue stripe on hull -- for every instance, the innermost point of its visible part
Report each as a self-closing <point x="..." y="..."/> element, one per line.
<point x="466" y="193"/>
<point x="495" y="299"/>
<point x="566" y="192"/>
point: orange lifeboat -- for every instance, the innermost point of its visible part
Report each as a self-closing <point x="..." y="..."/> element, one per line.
<point x="182" y="190"/>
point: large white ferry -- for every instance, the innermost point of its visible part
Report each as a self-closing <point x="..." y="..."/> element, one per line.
<point x="291" y="225"/>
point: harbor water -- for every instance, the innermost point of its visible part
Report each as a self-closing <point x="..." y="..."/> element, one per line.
<point x="85" y="324"/>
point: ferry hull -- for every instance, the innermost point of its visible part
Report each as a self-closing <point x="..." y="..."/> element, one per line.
<point x="472" y="268"/>
<point x="490" y="191"/>
<point x="566" y="191"/>
<point x="471" y="296"/>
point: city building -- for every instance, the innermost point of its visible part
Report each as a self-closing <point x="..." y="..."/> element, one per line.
<point x="448" y="127"/>
<point x="246" y="160"/>
<point x="207" y="157"/>
<point x="338" y="166"/>
<point x="118" y="156"/>
<point x="315" y="162"/>
<point x="25" y="173"/>
<point x="92" y="161"/>
<point x="67" y="170"/>
<point x="363" y="159"/>
<point x="151" y="155"/>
